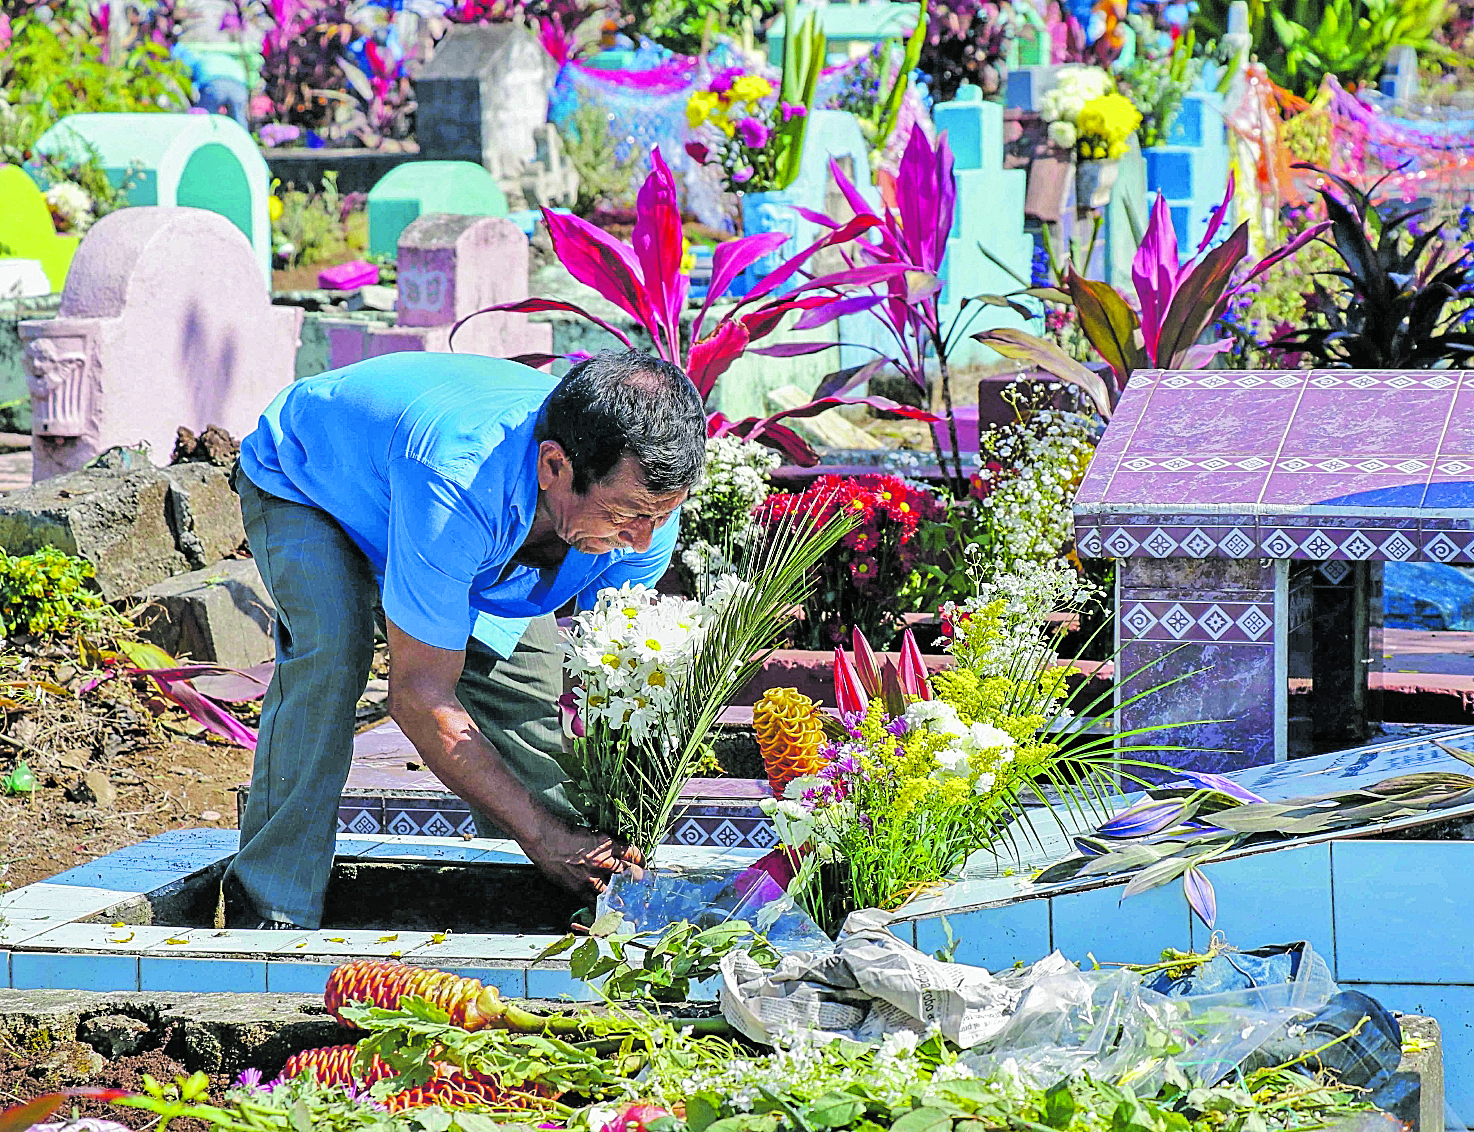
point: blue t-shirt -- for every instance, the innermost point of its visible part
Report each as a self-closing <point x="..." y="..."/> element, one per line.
<point x="428" y="462"/>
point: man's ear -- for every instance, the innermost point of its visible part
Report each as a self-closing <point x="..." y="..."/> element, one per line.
<point x="553" y="464"/>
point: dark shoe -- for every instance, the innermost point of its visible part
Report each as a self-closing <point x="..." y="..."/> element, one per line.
<point x="241" y="912"/>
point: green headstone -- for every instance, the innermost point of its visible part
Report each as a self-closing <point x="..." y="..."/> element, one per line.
<point x="26" y="230"/>
<point x="418" y="188"/>
<point x="195" y="160"/>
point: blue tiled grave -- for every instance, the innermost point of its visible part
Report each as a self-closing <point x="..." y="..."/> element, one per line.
<point x="138" y="919"/>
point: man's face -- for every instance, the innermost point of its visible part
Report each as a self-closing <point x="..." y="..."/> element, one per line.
<point x="618" y="511"/>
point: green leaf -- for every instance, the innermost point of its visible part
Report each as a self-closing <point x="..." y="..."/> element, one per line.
<point x="475" y="1122"/>
<point x="1154" y="875"/>
<point x="607" y="924"/>
<point x="300" y="1116"/>
<point x="557" y="947"/>
<point x="1059" y="1107"/>
<point x="925" y="1119"/>
<point x="584" y="956"/>
<point x="834" y="1110"/>
<point x="1109" y="323"/>
<point x="702" y="1110"/>
<point x="1025" y="347"/>
<point x="432" y="1119"/>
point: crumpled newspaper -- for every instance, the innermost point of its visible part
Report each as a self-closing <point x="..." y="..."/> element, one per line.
<point x="870" y="984"/>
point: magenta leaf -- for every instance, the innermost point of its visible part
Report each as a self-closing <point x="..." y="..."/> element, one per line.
<point x="866" y="664"/>
<point x="843" y="380"/>
<point x="714" y="355"/>
<point x="1285" y="252"/>
<point x="852" y="195"/>
<point x="1154" y="272"/>
<point x="1200" y="895"/>
<point x="658" y="245"/>
<point x="598" y="260"/>
<point x="1143" y="819"/>
<point x="815" y="217"/>
<point x="822" y="316"/>
<point x="849" y="691"/>
<point x="779" y="437"/>
<point x="538" y="306"/>
<point x="883" y="405"/>
<point x="1199" y="355"/>
<point x="793" y="349"/>
<point x="206" y="711"/>
<point x="776" y="278"/>
<point x="914" y="680"/>
<point x="766" y="319"/>
<point x="1220" y="213"/>
<point x="729" y="260"/>
<point x="536" y="361"/>
<point x="1224" y="785"/>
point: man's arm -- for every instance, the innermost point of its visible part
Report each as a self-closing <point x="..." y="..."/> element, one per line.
<point x="422" y="700"/>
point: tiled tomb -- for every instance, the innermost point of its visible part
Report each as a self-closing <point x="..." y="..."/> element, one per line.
<point x="1249" y="513"/>
<point x="390" y="792"/>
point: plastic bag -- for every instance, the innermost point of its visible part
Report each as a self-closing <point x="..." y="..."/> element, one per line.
<point x="654" y="897"/>
<point x="1280" y="1002"/>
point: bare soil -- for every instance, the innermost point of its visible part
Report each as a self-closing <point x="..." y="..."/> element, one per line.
<point x="29" y="1073"/>
<point x="113" y="765"/>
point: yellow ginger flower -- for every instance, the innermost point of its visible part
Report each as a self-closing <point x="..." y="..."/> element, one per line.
<point x="701" y="106"/>
<point x="789" y="734"/>
<point x="751" y="88"/>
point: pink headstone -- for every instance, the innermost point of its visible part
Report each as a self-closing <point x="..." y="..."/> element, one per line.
<point x="449" y="267"/>
<point x="348" y="276"/>
<point x="165" y="321"/>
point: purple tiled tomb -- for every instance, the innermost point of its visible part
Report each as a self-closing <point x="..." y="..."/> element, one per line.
<point x="1249" y="514"/>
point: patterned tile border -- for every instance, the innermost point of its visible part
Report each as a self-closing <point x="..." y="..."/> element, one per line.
<point x="724" y="825"/>
<point x="1435" y="539"/>
<point x="1200" y="622"/>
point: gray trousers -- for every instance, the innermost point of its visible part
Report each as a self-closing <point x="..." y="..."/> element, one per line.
<point x="326" y="600"/>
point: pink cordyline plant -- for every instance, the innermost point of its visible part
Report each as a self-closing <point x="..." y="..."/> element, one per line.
<point x="1178" y="302"/>
<point x="911" y="238"/>
<point x="644" y="279"/>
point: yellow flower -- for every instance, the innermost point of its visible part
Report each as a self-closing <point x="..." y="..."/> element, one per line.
<point x="688" y="257"/>
<point x="274" y="207"/>
<point x="751" y="88"/>
<point x="701" y="106"/>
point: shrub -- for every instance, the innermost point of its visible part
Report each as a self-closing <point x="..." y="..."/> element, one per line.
<point x="46" y="592"/>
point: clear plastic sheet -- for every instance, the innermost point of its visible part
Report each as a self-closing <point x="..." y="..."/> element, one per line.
<point x="655" y="897"/>
<point x="1117" y="1028"/>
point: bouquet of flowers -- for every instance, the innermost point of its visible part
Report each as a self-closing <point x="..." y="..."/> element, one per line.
<point x="656" y="671"/>
<point x="1061" y="106"/>
<point x="734" y="118"/>
<point x="717" y="526"/>
<point x="858" y="586"/>
<point x="1104" y="127"/>
<point x="933" y="769"/>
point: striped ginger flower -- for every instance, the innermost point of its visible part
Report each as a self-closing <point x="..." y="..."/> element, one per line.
<point x="789" y="733"/>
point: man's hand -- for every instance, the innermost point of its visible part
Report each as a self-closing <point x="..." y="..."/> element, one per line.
<point x="422" y="700"/>
<point x="579" y="860"/>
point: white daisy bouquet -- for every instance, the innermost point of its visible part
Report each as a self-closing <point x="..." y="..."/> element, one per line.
<point x="655" y="671"/>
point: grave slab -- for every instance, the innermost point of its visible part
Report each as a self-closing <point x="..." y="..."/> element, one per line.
<point x="191" y="160"/>
<point x="450" y="266"/>
<point x="221" y="613"/>
<point x="483" y="98"/>
<point x="163" y="307"/>
<point x="407" y="192"/>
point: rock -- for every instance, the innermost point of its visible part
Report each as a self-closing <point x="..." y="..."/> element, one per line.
<point x="206" y="513"/>
<point x="213" y="446"/>
<point x="117" y="520"/>
<point x="222" y="614"/>
<point x="115" y="1035"/>
<point x="103" y="792"/>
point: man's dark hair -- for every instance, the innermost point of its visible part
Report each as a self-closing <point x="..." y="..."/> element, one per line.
<point x="617" y="404"/>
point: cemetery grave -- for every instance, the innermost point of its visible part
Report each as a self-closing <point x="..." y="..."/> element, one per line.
<point x="1056" y="711"/>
